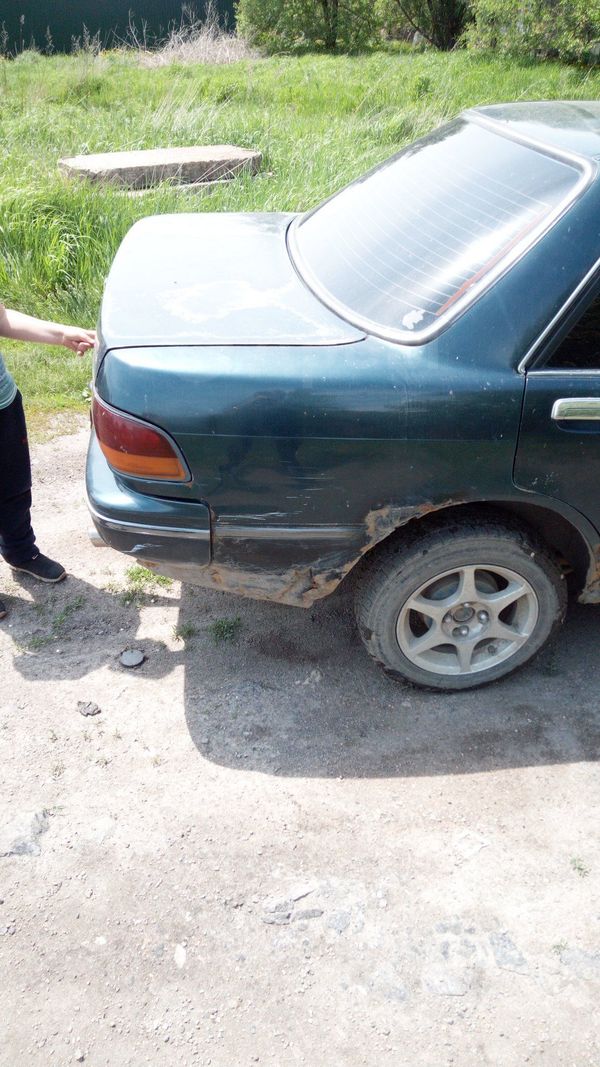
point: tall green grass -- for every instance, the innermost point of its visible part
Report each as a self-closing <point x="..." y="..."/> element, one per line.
<point x="318" y="120"/>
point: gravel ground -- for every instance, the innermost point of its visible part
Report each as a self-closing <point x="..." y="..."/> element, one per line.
<point x="261" y="850"/>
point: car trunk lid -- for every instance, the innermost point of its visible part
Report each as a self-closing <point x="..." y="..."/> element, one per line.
<point x="212" y="279"/>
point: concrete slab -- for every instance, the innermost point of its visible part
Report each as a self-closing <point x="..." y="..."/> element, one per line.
<point x="145" y="168"/>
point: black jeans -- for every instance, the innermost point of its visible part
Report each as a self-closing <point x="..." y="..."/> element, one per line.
<point x="17" y="541"/>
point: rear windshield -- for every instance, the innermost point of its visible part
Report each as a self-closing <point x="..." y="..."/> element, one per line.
<point x="404" y="249"/>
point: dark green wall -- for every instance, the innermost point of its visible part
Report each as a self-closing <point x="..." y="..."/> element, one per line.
<point x="26" y="20"/>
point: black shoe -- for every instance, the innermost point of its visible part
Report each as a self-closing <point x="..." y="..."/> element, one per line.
<point x="3" y="611"/>
<point x="42" y="568"/>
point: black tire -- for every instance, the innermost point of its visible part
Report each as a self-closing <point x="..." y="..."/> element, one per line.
<point x="432" y="561"/>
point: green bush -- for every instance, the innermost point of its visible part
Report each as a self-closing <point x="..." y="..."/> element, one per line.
<point x="541" y="28"/>
<point x="282" y="25"/>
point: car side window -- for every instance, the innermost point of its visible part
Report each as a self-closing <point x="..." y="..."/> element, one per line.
<point x="580" y="348"/>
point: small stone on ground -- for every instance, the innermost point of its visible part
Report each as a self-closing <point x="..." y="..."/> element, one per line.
<point x="132" y="657"/>
<point x="87" y="707"/>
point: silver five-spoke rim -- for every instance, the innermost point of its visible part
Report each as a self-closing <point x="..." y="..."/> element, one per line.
<point x="468" y="619"/>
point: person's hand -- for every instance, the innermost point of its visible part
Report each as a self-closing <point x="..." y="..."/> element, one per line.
<point x="77" y="340"/>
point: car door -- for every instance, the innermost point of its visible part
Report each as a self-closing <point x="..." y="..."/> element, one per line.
<point x="558" y="452"/>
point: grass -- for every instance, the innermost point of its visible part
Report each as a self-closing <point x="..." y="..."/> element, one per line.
<point x="193" y="41"/>
<point x="184" y="631"/>
<point x="59" y="620"/>
<point x="222" y="630"/>
<point x="319" y="121"/>
<point x="65" y="614"/>
<point x="579" y="866"/>
<point x="141" y="580"/>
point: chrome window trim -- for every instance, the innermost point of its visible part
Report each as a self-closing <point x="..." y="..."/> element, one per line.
<point x="522" y="367"/>
<point x="588" y="169"/>
<point x="563" y="155"/>
<point x="567" y="372"/>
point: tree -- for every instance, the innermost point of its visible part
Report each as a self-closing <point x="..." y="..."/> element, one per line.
<point x="331" y="15"/>
<point x="441" y="22"/>
<point x="277" y="24"/>
<point x="569" y="29"/>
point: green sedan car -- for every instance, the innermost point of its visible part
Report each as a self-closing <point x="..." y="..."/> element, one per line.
<point x="402" y="385"/>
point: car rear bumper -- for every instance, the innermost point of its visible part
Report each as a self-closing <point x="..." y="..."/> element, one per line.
<point x="149" y="528"/>
<point x="295" y="566"/>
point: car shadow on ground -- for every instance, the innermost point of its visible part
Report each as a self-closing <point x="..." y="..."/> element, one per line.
<point x="296" y="695"/>
<point x="288" y="692"/>
<point x="70" y="630"/>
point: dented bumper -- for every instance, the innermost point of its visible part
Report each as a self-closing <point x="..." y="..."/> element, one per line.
<point x="181" y="539"/>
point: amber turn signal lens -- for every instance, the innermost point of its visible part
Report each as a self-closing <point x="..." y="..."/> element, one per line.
<point x="134" y="447"/>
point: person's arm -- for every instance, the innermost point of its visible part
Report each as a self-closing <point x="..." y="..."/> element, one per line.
<point x="20" y="327"/>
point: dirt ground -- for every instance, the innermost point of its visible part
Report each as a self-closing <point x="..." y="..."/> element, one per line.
<point x="264" y="851"/>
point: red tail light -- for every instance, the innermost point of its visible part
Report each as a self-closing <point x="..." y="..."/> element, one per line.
<point x="135" y="447"/>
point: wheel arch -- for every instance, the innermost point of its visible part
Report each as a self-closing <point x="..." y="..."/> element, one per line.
<point x="569" y="535"/>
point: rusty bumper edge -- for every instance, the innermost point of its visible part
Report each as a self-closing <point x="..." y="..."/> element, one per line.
<point x="300" y="585"/>
<point x="590" y="594"/>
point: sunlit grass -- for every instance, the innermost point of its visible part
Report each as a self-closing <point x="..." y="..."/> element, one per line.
<point x="318" y="120"/>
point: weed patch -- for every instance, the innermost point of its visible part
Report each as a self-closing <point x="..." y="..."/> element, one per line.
<point x="579" y="866"/>
<point x="141" y="581"/>
<point x="184" y="631"/>
<point x="222" y="630"/>
<point x="58" y="624"/>
<point x="65" y="613"/>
